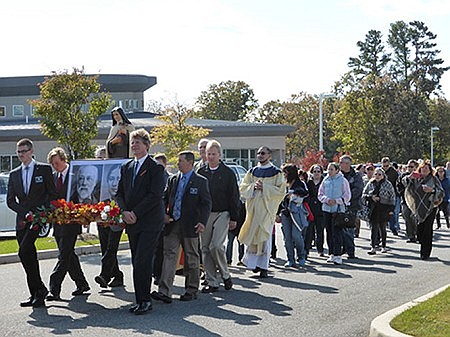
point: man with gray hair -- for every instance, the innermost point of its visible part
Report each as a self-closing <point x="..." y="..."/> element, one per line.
<point x="202" y="150"/>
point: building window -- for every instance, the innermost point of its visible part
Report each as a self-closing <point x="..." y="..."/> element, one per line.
<point x="2" y="111"/>
<point x="8" y="162"/>
<point x="18" y="111"/>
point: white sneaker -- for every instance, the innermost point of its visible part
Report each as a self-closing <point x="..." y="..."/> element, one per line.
<point x="337" y="260"/>
<point x="330" y="259"/>
<point x="383" y="250"/>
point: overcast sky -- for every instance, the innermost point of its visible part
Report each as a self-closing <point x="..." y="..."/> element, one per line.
<point x="278" y="47"/>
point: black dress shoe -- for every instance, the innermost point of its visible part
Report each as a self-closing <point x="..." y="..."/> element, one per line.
<point x="27" y="303"/>
<point x="143" y="308"/>
<point x="161" y="297"/>
<point x="117" y="282"/>
<point x="209" y="289"/>
<point x="188" y="297"/>
<point x="263" y="273"/>
<point x="133" y="308"/>
<point x="53" y="297"/>
<point x="80" y="290"/>
<point x="228" y="283"/>
<point x="101" y="281"/>
<point x="39" y="299"/>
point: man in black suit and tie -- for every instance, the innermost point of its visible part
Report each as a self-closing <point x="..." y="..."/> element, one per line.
<point x="140" y="198"/>
<point x="65" y="234"/>
<point x="188" y="204"/>
<point x="30" y="186"/>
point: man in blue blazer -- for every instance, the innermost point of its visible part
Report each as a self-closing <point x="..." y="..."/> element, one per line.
<point x="30" y="186"/>
<point x="188" y="204"/>
<point x="140" y="198"/>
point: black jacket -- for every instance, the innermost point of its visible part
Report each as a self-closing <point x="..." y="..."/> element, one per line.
<point x="356" y="187"/>
<point x="223" y="188"/>
<point x="195" y="205"/>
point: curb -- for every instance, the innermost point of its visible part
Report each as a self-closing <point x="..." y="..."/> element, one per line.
<point x="53" y="253"/>
<point x="380" y="326"/>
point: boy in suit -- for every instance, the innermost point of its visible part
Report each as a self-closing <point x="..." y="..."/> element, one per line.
<point x="65" y="234"/>
<point x="30" y="186"/>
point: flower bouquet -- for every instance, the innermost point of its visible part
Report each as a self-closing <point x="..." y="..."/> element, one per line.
<point x="64" y="212"/>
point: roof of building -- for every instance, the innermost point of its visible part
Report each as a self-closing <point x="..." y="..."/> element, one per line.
<point x="12" y="130"/>
<point x="28" y="85"/>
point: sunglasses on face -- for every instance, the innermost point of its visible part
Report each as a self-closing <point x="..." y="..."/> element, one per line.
<point x="317" y="171"/>
<point x="370" y="169"/>
<point x="262" y="153"/>
<point x="378" y="174"/>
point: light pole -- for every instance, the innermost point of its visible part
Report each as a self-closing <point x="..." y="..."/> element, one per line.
<point x="321" y="97"/>
<point x="433" y="128"/>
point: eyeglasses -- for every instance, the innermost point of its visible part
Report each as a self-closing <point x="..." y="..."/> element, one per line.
<point x="370" y="169"/>
<point x="385" y="165"/>
<point x="378" y="174"/>
<point x="262" y="153"/>
<point x="22" y="151"/>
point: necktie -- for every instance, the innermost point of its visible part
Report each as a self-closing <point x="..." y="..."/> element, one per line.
<point x="27" y="169"/>
<point x="178" y="198"/>
<point x="136" y="170"/>
<point x="59" y="183"/>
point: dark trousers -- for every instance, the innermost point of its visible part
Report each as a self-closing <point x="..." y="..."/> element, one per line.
<point x="109" y="244"/>
<point x="378" y="229"/>
<point x="425" y="234"/>
<point x="68" y="262"/>
<point x="142" y="246"/>
<point x="334" y="235"/>
<point x="28" y="257"/>
<point x="314" y="232"/>
<point x="159" y="257"/>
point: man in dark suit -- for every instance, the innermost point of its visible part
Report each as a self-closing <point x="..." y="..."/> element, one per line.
<point x="30" y="186"/>
<point x="188" y="205"/>
<point x="65" y="234"/>
<point x="140" y="197"/>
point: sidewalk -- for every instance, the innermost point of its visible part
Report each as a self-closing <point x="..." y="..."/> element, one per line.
<point x="380" y="326"/>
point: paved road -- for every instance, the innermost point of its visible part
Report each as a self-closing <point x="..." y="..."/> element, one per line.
<point x="320" y="300"/>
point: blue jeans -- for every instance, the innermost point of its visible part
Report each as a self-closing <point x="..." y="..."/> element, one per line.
<point x="292" y="239"/>
<point x="394" y="225"/>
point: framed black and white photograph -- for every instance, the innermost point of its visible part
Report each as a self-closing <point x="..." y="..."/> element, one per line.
<point x="92" y="181"/>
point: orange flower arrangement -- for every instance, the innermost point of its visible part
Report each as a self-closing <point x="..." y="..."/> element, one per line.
<point x="64" y="212"/>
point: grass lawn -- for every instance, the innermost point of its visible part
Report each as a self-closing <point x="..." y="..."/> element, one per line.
<point x="10" y="246"/>
<point x="428" y="319"/>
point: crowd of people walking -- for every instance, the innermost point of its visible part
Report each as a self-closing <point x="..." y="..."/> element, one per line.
<point x="202" y="207"/>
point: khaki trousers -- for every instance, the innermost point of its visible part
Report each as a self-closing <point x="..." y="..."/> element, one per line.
<point x="213" y="248"/>
<point x="191" y="268"/>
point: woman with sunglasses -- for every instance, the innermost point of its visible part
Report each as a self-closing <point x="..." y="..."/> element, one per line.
<point x="423" y="194"/>
<point x="380" y="195"/>
<point x="445" y="183"/>
<point x="314" y="232"/>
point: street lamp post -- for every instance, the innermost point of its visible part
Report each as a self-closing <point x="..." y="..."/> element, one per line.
<point x="321" y="97"/>
<point x="433" y="128"/>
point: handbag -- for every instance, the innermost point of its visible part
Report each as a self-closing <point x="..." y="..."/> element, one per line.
<point x="345" y="219"/>
<point x="364" y="213"/>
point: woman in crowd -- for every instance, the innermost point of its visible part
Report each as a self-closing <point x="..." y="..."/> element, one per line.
<point x="118" y="141"/>
<point x="380" y="196"/>
<point x="314" y="232"/>
<point x="445" y="183"/>
<point x="293" y="216"/>
<point x="334" y="194"/>
<point x="423" y="194"/>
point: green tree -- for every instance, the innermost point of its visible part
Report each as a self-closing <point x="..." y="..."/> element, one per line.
<point x="372" y="59"/>
<point x="227" y="101"/>
<point x="302" y="112"/>
<point x="176" y="135"/>
<point x="68" y="109"/>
